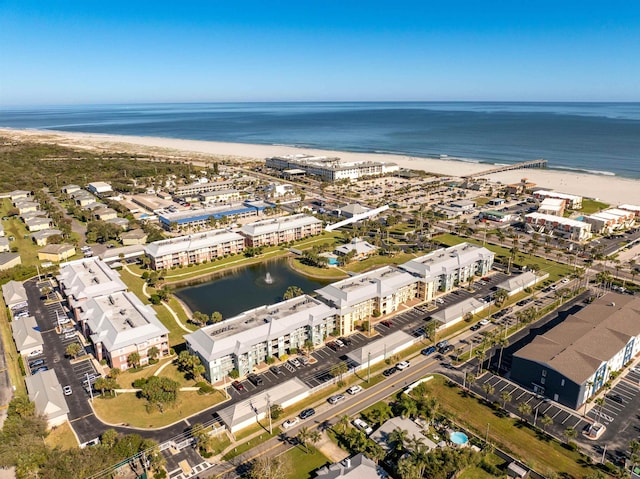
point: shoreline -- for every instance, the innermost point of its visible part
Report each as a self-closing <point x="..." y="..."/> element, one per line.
<point x="611" y="189"/>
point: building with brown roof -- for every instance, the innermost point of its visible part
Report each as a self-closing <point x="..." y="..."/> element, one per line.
<point x="572" y="361"/>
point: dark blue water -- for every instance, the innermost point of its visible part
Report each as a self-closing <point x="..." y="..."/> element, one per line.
<point x="594" y="137"/>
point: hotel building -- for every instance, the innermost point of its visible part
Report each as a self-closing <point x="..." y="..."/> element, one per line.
<point x="270" y="232"/>
<point x="246" y="340"/>
<point x="331" y="169"/>
<point x="193" y="249"/>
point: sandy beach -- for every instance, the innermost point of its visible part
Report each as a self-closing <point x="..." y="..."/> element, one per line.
<point x="610" y="189"/>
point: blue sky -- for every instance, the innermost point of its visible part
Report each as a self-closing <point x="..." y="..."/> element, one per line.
<point x="69" y="52"/>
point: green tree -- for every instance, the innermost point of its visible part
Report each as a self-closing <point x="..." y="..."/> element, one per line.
<point x="506" y="397"/>
<point x="525" y="410"/>
<point x="199" y="319"/>
<point x="106" y="385"/>
<point x="133" y="360"/>
<point x="546" y="421"/>
<point x="160" y="392"/>
<point x="488" y="390"/>
<point x="153" y="353"/>
<point x="276" y="411"/>
<point x="306" y="436"/>
<point x="339" y="369"/>
<point x="570" y="433"/>
<point x="72" y="350"/>
<point x="292" y="292"/>
<point x="216" y="317"/>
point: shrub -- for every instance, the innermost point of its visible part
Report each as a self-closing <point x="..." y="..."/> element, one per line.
<point x="138" y="383"/>
<point x="234" y="374"/>
<point x="293" y="350"/>
<point x="205" y="388"/>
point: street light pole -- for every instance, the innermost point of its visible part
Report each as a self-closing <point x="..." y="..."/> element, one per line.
<point x="369" y="368"/>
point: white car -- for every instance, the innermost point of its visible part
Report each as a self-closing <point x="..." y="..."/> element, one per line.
<point x="36" y="352"/>
<point x="363" y="426"/>
<point x="353" y="390"/>
<point x="289" y="423"/>
<point x="67" y="390"/>
<point x="402" y="365"/>
<point x="64" y="320"/>
<point x="69" y="335"/>
<point x="565" y="280"/>
<point x="483" y="322"/>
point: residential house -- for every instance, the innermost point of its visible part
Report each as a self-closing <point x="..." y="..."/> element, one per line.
<point x="56" y="252"/>
<point x="45" y="392"/>
<point x="100" y="188"/>
<point x="133" y="237"/>
<point x="27" y="336"/>
<point x="15" y="296"/>
<point x="38" y="224"/>
<point x="358" y="248"/>
<point x="9" y="260"/>
<point x="356" y="467"/>
<point x="41" y="238"/>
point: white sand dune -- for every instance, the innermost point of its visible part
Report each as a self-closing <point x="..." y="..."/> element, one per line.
<point x="611" y="189"/>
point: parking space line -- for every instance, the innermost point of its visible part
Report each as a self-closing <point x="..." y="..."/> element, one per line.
<point x="549" y="407"/>
<point x="554" y="416"/>
<point x="568" y="416"/>
<point x="577" y="422"/>
<point x="523" y="393"/>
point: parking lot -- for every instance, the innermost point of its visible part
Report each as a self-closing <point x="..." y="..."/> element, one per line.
<point x="562" y="416"/>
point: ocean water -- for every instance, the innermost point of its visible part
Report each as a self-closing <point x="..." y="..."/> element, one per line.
<point x="598" y="138"/>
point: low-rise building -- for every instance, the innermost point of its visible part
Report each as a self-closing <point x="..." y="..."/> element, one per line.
<point x="455" y="313"/>
<point x="274" y="231"/>
<point x="104" y="214"/>
<point x="45" y="392"/>
<point x="219" y="196"/>
<point x="32" y="214"/>
<point x="559" y="226"/>
<point x="69" y="189"/>
<point x="4" y="245"/>
<point x="207" y="217"/>
<point x="193" y="249"/>
<point x="492" y="215"/>
<point x="354" y="209"/>
<point x="119" y="325"/>
<point x="635" y="209"/>
<point x="99" y="188"/>
<point x="515" y="284"/>
<point x="56" y="252"/>
<point x="17" y="195"/>
<point x="15" y="296"/>
<point x="368" y="295"/>
<point x="27" y="336"/>
<point x="246" y="340"/>
<point x="24" y="206"/>
<point x="608" y="221"/>
<point x="358" y="248"/>
<point x="572" y="361"/>
<point x="382" y="436"/>
<point x="122" y="223"/>
<point x="552" y="206"/>
<point x="9" y="260"/>
<point x="573" y="202"/>
<point x="41" y="238"/>
<point x="38" y="224"/>
<point x="331" y="169"/>
<point x="133" y="237"/>
<point x="356" y="467"/>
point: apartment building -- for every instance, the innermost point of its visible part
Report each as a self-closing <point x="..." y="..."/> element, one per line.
<point x="608" y="221"/>
<point x="559" y="226"/>
<point x="119" y="325"/>
<point x="375" y="293"/>
<point x="445" y="268"/>
<point x="219" y="196"/>
<point x="274" y="231"/>
<point x="573" y="202"/>
<point x="246" y="340"/>
<point x="205" y="217"/>
<point x="573" y="360"/>
<point x="193" y="249"/>
<point x="552" y="206"/>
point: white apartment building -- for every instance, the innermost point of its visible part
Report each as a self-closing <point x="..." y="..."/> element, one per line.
<point x="219" y="196"/>
<point x="635" y="209"/>
<point x="572" y="201"/>
<point x="246" y="340"/>
<point x="552" y="206"/>
<point x="559" y="226"/>
<point x="445" y="268"/>
<point x="608" y="221"/>
<point x="193" y="249"/>
<point x="119" y="325"/>
<point x="331" y="169"/>
<point x="275" y="231"/>
<point x="370" y="294"/>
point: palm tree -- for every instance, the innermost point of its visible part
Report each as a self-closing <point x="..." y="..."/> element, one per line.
<point x="506" y="397"/>
<point x="343" y="422"/>
<point x="570" y="433"/>
<point x="546" y="421"/>
<point x="397" y="439"/>
<point x="600" y="402"/>
<point x="525" y="410"/>
<point x="488" y="389"/>
<point x="503" y="343"/>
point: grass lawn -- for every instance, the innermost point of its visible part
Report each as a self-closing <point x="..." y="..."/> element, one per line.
<point x="320" y="273"/>
<point x="127" y="377"/>
<point x="127" y="408"/>
<point x="369" y="263"/>
<point x="11" y="354"/>
<point x="555" y="270"/>
<point x="509" y="434"/>
<point x="479" y="473"/>
<point x="303" y="463"/>
<point x="62" y="437"/>
<point x="592" y="206"/>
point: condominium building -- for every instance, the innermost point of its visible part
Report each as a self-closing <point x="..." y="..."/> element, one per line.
<point x="197" y="188"/>
<point x="445" y="268"/>
<point x="370" y="294"/>
<point x="572" y="361"/>
<point x="275" y="231"/>
<point x="331" y="169"/>
<point x="120" y="325"/>
<point x="559" y="226"/>
<point x="635" y="209"/>
<point x="610" y="220"/>
<point x="573" y="202"/>
<point x="87" y="278"/>
<point x="552" y="206"/>
<point x="219" y="196"/>
<point x="193" y="249"/>
<point x="246" y="340"/>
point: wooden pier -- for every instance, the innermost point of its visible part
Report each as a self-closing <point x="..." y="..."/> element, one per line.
<point x="515" y="166"/>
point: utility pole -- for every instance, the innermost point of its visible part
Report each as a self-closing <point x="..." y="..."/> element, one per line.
<point x="269" y="414"/>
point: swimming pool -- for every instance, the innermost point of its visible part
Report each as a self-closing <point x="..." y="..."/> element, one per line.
<point x="459" y="438"/>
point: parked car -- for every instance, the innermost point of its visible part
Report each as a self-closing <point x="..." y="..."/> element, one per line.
<point x="363" y="426"/>
<point x="335" y="399"/>
<point x="275" y="370"/>
<point x="39" y="370"/>
<point x="295" y="362"/>
<point x="67" y="390"/>
<point x="239" y="386"/>
<point x="346" y="341"/>
<point x="428" y="351"/>
<point x="35" y="352"/>
<point x="615" y="398"/>
<point x="446" y="349"/>
<point x="68" y="329"/>
<point x="390" y="371"/>
<point x="475" y="327"/>
<point x="290" y="422"/>
<point x="402" y="365"/>
<point x="354" y="390"/>
<point x="386" y="323"/>
<point x="36" y="363"/>
<point x="69" y="335"/>
<point x="483" y="322"/>
<point x="442" y="344"/>
<point x="333" y="345"/>
<point x="64" y="320"/>
<point x="255" y="379"/>
<point x="307" y="413"/>
<point x="303" y="360"/>
<point x="339" y="343"/>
